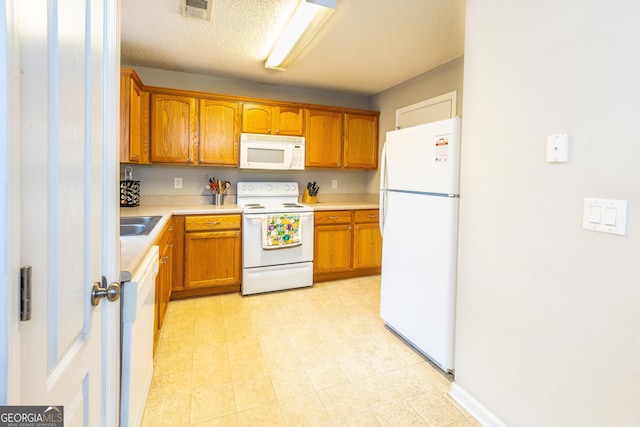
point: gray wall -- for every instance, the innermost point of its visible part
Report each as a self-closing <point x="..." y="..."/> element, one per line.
<point x="548" y="314"/>
<point x="236" y="87"/>
<point x="446" y="78"/>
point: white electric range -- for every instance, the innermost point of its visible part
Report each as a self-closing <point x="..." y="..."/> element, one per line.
<point x="273" y="268"/>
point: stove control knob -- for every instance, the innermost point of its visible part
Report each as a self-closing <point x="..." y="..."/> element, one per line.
<point x="251" y="188"/>
<point x="286" y="188"/>
<point x="269" y="187"/>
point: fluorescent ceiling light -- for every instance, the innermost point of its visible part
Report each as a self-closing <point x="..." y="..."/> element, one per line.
<point x="303" y="25"/>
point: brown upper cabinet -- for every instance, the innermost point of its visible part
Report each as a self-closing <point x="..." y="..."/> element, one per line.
<point x="219" y="132"/>
<point x="360" y="141"/>
<point x="272" y="119"/>
<point x="323" y="138"/>
<point x="341" y="140"/>
<point x="173" y="128"/>
<point x="131" y="103"/>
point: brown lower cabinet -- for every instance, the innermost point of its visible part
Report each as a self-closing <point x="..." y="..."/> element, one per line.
<point x="347" y="244"/>
<point x="209" y="260"/>
<point x="206" y="252"/>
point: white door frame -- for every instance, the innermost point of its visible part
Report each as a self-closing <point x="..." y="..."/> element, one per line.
<point x="9" y="205"/>
<point x="444" y="105"/>
<point x="111" y="213"/>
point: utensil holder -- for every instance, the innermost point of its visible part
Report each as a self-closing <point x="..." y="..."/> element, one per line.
<point x="306" y="198"/>
<point x="129" y="193"/>
<point x="218" y="199"/>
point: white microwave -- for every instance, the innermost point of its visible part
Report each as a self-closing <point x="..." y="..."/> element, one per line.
<point x="258" y="151"/>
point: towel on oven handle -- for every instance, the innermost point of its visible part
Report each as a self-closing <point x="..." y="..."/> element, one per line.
<point x="281" y="231"/>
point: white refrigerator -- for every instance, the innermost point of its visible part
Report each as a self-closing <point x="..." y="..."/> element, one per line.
<point x="419" y="196"/>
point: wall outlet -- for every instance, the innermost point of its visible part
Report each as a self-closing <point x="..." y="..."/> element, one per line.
<point x="334" y="183"/>
<point x="177" y="182"/>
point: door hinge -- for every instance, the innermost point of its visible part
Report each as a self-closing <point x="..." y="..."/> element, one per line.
<point x="25" y="293"/>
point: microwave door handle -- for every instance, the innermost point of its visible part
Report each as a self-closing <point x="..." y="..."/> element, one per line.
<point x="288" y="157"/>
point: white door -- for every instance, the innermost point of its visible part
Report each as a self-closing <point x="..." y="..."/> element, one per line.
<point x="68" y="58"/>
<point x="431" y="110"/>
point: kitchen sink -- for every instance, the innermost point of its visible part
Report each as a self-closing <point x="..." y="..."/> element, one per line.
<point x="137" y="225"/>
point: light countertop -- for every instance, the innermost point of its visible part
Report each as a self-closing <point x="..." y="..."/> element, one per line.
<point x="133" y="248"/>
<point x="331" y="206"/>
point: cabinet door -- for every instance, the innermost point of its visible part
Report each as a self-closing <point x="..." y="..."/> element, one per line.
<point x="257" y="118"/>
<point x="332" y="248"/>
<point x="219" y="132"/>
<point x="212" y="259"/>
<point x="289" y="121"/>
<point x="367" y="246"/>
<point x="173" y="128"/>
<point x="323" y="134"/>
<point x="130" y="118"/>
<point x="163" y="279"/>
<point x="361" y="141"/>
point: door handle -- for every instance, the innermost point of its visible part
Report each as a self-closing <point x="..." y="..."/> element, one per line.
<point x="101" y="290"/>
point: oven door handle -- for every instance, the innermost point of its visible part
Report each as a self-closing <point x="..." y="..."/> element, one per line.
<point x="260" y="217"/>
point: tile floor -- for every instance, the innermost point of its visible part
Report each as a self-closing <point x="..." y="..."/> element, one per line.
<point x="317" y="356"/>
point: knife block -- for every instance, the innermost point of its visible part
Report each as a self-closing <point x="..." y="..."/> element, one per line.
<point x="306" y="198"/>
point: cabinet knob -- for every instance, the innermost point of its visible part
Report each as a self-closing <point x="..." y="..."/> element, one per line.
<point x="201" y="160"/>
<point x="134" y="157"/>
<point x="190" y="159"/>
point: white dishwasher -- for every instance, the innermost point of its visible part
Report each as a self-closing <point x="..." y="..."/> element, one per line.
<point x="138" y="315"/>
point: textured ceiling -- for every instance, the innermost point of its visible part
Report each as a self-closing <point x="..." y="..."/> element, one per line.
<point x="365" y="47"/>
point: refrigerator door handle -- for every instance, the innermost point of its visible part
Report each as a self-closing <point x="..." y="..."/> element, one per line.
<point x="383" y="186"/>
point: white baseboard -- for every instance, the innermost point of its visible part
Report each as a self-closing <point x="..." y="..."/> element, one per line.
<point x="474" y="407"/>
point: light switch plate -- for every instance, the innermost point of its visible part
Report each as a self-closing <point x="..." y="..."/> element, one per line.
<point x="604" y="215"/>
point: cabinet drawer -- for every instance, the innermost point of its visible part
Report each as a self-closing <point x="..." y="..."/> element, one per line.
<point x="212" y="222"/>
<point x="366" y="215"/>
<point x="332" y="217"/>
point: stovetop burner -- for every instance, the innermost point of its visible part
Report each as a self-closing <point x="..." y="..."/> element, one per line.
<point x="270" y="197"/>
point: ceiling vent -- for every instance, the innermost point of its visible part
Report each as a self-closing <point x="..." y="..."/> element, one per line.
<point x="201" y="9"/>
